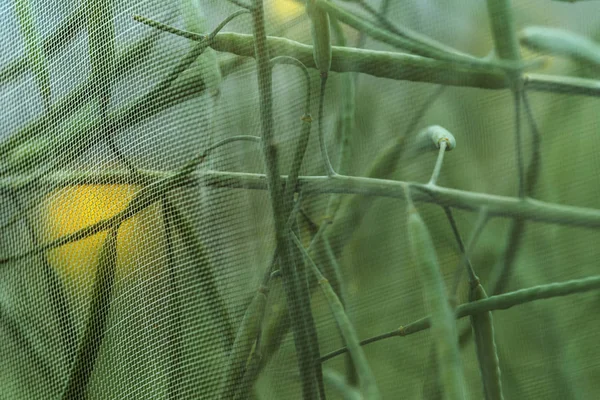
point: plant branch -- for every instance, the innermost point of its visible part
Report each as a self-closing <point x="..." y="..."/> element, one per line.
<point x="497" y="206"/>
<point x="499" y="302"/>
<point x="407" y="67"/>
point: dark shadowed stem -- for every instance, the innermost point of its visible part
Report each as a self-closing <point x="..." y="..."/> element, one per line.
<point x="517" y="228"/>
<point x="174" y="309"/>
<point x="287" y="262"/>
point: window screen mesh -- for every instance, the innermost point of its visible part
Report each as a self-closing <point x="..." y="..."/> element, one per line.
<point x="152" y="245"/>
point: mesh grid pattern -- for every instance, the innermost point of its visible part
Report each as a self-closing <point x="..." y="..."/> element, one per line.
<point x="142" y="240"/>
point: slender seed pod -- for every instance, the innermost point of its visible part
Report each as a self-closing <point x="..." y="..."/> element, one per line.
<point x="244" y="341"/>
<point x="321" y="36"/>
<point x="443" y="319"/>
<point x="336" y="381"/>
<point x="322" y="54"/>
<point x="366" y="378"/>
<point x="503" y="29"/>
<point x="96" y="324"/>
<point x="485" y="344"/>
<point x="561" y="42"/>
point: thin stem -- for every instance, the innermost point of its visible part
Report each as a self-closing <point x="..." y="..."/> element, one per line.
<point x="518" y="143"/>
<point x="534" y="167"/>
<point x="287" y="265"/>
<point x="241" y="4"/>
<point x="419" y="45"/>
<point x="465" y="261"/>
<point x="463" y="252"/>
<point x="203" y="270"/>
<point x="55" y="41"/>
<point x="185" y="34"/>
<point x="95" y="327"/>
<point x="517" y="229"/>
<point x="324" y="154"/>
<point x="56" y="289"/>
<point x="498" y="302"/>
<point x="34" y="46"/>
<point x="438" y="164"/>
<point x="175" y="352"/>
<point x="365" y="375"/>
<point x="72" y="102"/>
<point x="291" y="185"/>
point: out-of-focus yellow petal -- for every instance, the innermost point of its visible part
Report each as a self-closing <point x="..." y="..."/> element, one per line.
<point x="74" y="208"/>
<point x="284" y="10"/>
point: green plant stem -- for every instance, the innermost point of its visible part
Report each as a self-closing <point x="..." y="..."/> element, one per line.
<point x="518" y="226"/>
<point x="95" y="327"/>
<point x="66" y="31"/>
<point x="438" y="164"/>
<point x="292" y="183"/>
<point x="465" y="262"/>
<point x="34" y="47"/>
<point x="412" y="42"/>
<point x="174" y="310"/>
<point x="339" y="383"/>
<point x="58" y="296"/>
<point x="498" y="206"/>
<point x="485" y="345"/>
<point x="499" y="302"/>
<point x="444" y="333"/>
<point x="296" y="304"/>
<point x="408" y="67"/>
<point x="417" y="44"/>
<point x="79" y="96"/>
<point x="240" y="4"/>
<point x="345" y="128"/>
<point x="365" y="375"/>
<point x="144" y="198"/>
<point x="242" y="346"/>
<point x="506" y="46"/>
<point x="203" y="271"/>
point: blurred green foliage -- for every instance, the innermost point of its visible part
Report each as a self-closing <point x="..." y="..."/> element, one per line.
<point x="547" y="350"/>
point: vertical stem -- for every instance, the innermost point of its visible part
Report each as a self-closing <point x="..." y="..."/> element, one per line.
<point x="174" y="335"/>
<point x="507" y="48"/>
<point x="438" y="164"/>
<point x="287" y="262"/>
<point x="518" y="142"/>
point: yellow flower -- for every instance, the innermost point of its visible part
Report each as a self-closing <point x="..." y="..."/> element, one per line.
<point x="284" y="10"/>
<point x="73" y="208"/>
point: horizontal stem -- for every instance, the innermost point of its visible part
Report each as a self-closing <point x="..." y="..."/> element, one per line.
<point x="497" y="206"/>
<point x="499" y="302"/>
<point x="401" y="66"/>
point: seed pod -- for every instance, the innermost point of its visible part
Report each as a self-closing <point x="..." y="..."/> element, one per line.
<point x="321" y="37"/>
<point x="443" y="319"/>
<point x="560" y="42"/>
<point x="435" y="134"/>
<point x="242" y="346"/>
<point x="485" y="344"/>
